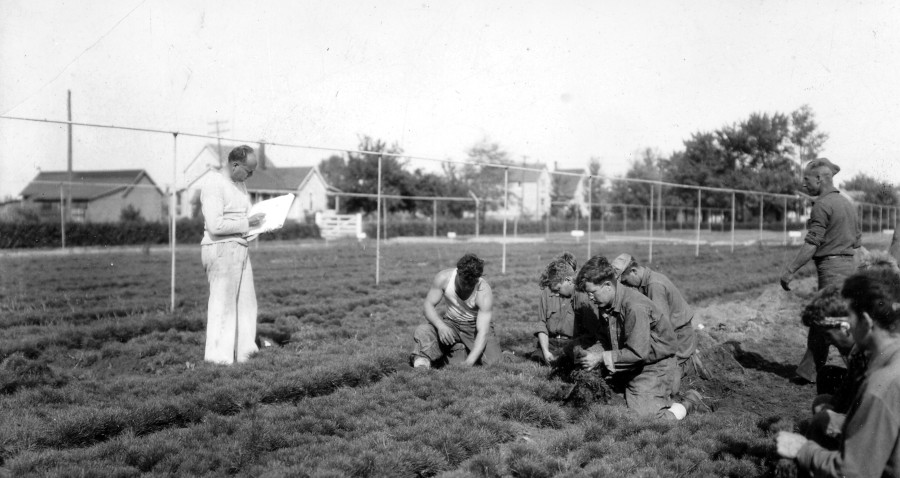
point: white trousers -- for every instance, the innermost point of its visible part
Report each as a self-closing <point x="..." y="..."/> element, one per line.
<point x="231" y="316"/>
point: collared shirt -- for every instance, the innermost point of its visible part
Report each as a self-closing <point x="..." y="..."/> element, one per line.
<point x="225" y="204"/>
<point x="589" y="328"/>
<point x="640" y="332"/>
<point x="556" y="313"/>
<point x="667" y="297"/>
<point x="832" y="225"/>
<point x="870" y="445"/>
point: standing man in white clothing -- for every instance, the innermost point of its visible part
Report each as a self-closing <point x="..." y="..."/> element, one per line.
<point x="231" y="316"/>
<point x="465" y="334"/>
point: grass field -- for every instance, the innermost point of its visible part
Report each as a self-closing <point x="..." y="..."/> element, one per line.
<point x="97" y="379"/>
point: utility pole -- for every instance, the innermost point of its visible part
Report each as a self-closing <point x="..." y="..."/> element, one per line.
<point x="68" y="206"/>
<point x="218" y="132"/>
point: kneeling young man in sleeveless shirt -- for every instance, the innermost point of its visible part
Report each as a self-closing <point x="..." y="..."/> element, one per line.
<point x="464" y="335"/>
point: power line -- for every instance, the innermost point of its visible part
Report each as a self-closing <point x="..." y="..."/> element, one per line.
<point x="408" y="156"/>
<point x="76" y="58"/>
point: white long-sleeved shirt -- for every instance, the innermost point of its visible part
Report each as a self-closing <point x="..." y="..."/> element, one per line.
<point x="225" y="204"/>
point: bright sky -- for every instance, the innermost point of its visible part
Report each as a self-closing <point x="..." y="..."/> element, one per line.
<point x="554" y="81"/>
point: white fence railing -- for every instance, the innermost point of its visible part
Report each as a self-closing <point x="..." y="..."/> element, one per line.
<point x="333" y="226"/>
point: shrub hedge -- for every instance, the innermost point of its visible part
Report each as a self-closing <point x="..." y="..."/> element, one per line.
<point x="20" y="235"/>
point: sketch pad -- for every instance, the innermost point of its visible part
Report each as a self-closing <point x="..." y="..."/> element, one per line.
<point x="275" y="209"/>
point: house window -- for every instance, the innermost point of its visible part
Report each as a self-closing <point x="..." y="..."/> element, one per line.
<point x="79" y="212"/>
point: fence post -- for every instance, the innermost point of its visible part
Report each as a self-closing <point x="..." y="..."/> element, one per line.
<point x="761" y="199"/>
<point x="602" y="219"/>
<point x="172" y="212"/>
<point x="784" y="218"/>
<point x="732" y="221"/>
<point x="699" y="221"/>
<point x="650" y="213"/>
<point x="880" y="215"/>
<point x="625" y="217"/>
<point x="505" y="214"/>
<point x="378" y="229"/>
<point x="590" y="212"/>
<point x="477" y="207"/>
<point x="62" y="215"/>
<point x="547" y="227"/>
<point x="434" y="217"/>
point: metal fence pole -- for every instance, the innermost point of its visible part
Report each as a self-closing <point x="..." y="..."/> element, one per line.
<point x="434" y="217"/>
<point x="650" y="212"/>
<point x="732" y="221"/>
<point x="505" y="214"/>
<point x="590" y="212"/>
<point x="880" y="216"/>
<point x="378" y="229"/>
<point x="699" y="220"/>
<point x="62" y="215"/>
<point x="784" y="218"/>
<point x="761" y="199"/>
<point x="172" y="213"/>
<point x="602" y="219"/>
<point x="625" y="217"/>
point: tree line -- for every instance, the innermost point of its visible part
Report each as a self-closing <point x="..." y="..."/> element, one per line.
<point x="763" y="152"/>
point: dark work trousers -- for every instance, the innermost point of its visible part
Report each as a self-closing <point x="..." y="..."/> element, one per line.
<point x="832" y="270"/>
<point x="428" y="344"/>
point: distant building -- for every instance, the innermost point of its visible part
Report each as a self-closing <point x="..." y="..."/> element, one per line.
<point x="97" y="196"/>
<point x="569" y="190"/>
<point x="529" y="194"/>
<point x="268" y="181"/>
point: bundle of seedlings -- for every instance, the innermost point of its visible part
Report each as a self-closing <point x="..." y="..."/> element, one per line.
<point x="586" y="387"/>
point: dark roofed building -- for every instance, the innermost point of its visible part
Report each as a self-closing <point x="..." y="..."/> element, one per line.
<point x="97" y="196"/>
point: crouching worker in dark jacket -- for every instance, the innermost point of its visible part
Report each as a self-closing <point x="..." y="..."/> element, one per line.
<point x="870" y="437"/>
<point x="640" y="354"/>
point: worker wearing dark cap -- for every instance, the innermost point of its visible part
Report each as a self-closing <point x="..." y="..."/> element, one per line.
<point x="832" y="238"/>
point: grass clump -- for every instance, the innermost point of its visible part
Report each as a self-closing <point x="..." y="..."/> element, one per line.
<point x="532" y="410"/>
<point x="19" y="372"/>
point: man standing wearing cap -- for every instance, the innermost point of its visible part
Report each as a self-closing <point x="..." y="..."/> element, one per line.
<point x="662" y="292"/>
<point x="832" y="237"/>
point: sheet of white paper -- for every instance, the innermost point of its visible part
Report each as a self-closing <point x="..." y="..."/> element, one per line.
<point x="275" y="209"/>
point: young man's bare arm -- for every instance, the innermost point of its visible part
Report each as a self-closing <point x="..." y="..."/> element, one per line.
<point x="485" y="302"/>
<point x="432" y="299"/>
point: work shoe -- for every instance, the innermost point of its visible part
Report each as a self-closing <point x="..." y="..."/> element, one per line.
<point x="421" y="362"/>
<point x="694" y="403"/>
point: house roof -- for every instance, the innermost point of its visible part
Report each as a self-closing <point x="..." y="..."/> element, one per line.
<point x="566" y="184"/>
<point x="527" y="176"/>
<point x="88" y="185"/>
<point x="277" y="178"/>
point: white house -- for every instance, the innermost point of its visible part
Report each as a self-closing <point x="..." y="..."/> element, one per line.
<point x="570" y="188"/>
<point x="529" y="194"/>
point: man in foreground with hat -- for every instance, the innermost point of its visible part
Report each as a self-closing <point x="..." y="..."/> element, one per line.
<point x="662" y="292"/>
<point x="832" y="238"/>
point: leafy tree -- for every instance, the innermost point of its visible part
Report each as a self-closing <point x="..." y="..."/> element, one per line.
<point x="874" y="191"/>
<point x="483" y="180"/>
<point x="805" y="134"/>
<point x="756" y="154"/>
<point x="359" y="174"/>
<point x="647" y="165"/>
<point x="598" y="192"/>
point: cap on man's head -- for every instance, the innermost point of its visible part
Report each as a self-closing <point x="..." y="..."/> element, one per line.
<point x="620" y="263"/>
<point x="824" y="162"/>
